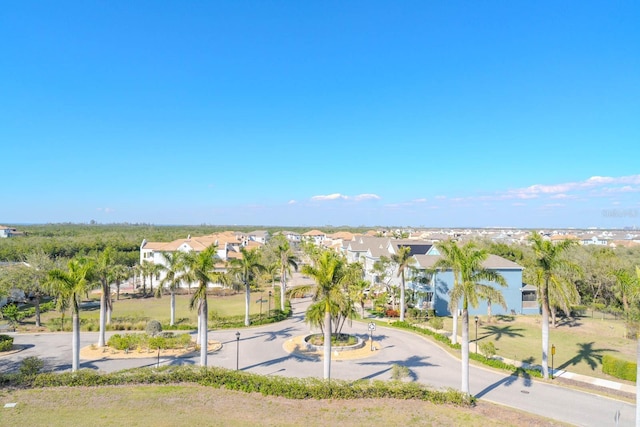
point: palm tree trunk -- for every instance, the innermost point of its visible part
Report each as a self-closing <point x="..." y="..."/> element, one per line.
<point x="247" y="304"/>
<point x="173" y="308"/>
<point x="465" y="352"/>
<point x="283" y="286"/>
<point x="204" y="339"/>
<point x="327" y="345"/>
<point x="118" y="290"/>
<point x="402" y="302"/>
<point x="109" y="307"/>
<point x="545" y="333"/>
<point x="638" y="382"/>
<point x="75" y="342"/>
<point x="103" y="316"/>
<point x="37" y="307"/>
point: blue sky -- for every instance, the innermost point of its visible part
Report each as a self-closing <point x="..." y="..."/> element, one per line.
<point x="443" y="114"/>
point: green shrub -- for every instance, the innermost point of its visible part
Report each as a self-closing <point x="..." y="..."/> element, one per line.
<point x="31" y="365"/>
<point x="399" y="372"/>
<point x="488" y="349"/>
<point x="6" y="342"/>
<point x="153" y="328"/>
<point x="619" y="368"/>
<point x="436" y="322"/>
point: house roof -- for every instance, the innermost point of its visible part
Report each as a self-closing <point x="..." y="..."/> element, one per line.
<point x="493" y="262"/>
<point x="314" y="233"/>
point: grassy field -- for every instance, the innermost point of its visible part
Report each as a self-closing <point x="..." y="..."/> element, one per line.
<point x="130" y="306"/>
<point x="580" y="343"/>
<point x="188" y="405"/>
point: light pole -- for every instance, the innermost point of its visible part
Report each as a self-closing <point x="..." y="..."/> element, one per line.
<point x="553" y="353"/>
<point x="269" y="304"/>
<point x="476" y="319"/>
<point x="237" y="349"/>
<point x="372" y="327"/>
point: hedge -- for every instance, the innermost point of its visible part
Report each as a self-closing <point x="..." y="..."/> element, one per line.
<point x="291" y="388"/>
<point x="619" y="368"/>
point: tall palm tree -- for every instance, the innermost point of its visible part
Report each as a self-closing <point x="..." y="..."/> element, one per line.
<point x="328" y="272"/>
<point x="403" y="260"/>
<point x="450" y="253"/>
<point x="200" y="269"/>
<point x="174" y="269"/>
<point x="469" y="261"/>
<point x="70" y="286"/>
<point x="492" y="296"/>
<point x="103" y="266"/>
<point x="287" y="260"/>
<point x="246" y="269"/>
<point x="550" y="266"/>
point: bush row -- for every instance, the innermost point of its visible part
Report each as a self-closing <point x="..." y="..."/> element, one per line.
<point x="619" y="368"/>
<point x="165" y="340"/>
<point x="494" y="363"/>
<point x="291" y="388"/>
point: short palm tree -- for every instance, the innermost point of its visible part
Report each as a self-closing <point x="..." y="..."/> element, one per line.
<point x="247" y="269"/>
<point x="550" y="266"/>
<point x="70" y="286"/>
<point x="174" y="269"/>
<point x="287" y="261"/>
<point x="119" y="274"/>
<point x="469" y="260"/>
<point x="402" y="260"/>
<point x="450" y="253"/>
<point x="328" y="273"/>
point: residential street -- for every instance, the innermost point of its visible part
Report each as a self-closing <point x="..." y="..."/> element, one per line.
<point x="261" y="351"/>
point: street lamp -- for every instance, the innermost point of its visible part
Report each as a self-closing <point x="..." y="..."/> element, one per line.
<point x="553" y="353"/>
<point x="237" y="349"/>
<point x="269" y="304"/>
<point x="476" y="319"/>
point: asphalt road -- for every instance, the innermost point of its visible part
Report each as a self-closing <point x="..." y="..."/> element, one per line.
<point x="260" y="350"/>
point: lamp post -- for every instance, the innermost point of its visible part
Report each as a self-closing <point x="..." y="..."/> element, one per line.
<point x="269" y="304"/>
<point x="237" y="349"/>
<point x="553" y="353"/>
<point x="476" y="319"/>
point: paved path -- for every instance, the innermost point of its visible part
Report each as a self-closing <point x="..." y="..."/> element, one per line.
<point x="261" y="351"/>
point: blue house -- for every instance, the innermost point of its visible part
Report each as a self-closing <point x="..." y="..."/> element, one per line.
<point x="436" y="286"/>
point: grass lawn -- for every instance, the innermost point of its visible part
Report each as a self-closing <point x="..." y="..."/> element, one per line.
<point x="188" y="405"/>
<point x="580" y="343"/>
<point x="158" y="308"/>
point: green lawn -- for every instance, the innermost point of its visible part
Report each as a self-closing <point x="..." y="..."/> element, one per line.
<point x="580" y="343"/>
<point x="189" y="405"/>
<point x="131" y="307"/>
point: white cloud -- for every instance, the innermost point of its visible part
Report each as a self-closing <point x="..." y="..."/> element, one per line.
<point x="106" y="210"/>
<point x="423" y="200"/>
<point x="338" y="196"/>
<point x="291" y="202"/>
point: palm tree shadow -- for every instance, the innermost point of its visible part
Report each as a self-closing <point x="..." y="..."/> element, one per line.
<point x="588" y="355"/>
<point x="508" y="381"/>
<point x="500" y="331"/>
<point x="411" y="362"/>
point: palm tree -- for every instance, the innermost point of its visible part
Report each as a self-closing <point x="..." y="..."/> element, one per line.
<point x="102" y="268"/>
<point x="492" y="296"/>
<point x="287" y="260"/>
<point x="175" y="267"/>
<point x="328" y="273"/>
<point x="30" y="276"/>
<point x="549" y="265"/>
<point x="247" y="268"/>
<point x="626" y="288"/>
<point x="200" y="269"/>
<point x="403" y="260"/>
<point x="357" y="292"/>
<point x="450" y="253"/>
<point x="70" y="286"/>
<point x="119" y="274"/>
<point x="469" y="261"/>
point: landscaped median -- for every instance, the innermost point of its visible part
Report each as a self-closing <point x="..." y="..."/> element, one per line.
<point x="291" y="388"/>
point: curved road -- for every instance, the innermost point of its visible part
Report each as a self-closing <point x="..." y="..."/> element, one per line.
<point x="261" y="351"/>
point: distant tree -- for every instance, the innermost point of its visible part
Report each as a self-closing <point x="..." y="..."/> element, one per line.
<point x="103" y="268"/>
<point x="286" y="261"/>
